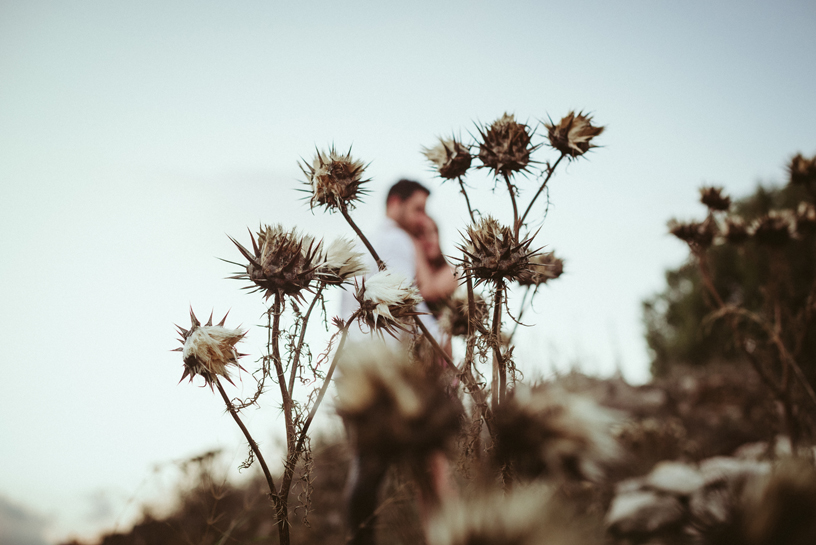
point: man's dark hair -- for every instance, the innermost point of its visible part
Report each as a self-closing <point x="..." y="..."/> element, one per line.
<point x="403" y="190"/>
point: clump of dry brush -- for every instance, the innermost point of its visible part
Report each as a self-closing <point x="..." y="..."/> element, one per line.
<point x="771" y="333"/>
<point x="393" y="402"/>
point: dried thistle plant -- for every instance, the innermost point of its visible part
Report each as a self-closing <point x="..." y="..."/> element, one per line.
<point x="209" y="350"/>
<point x="335" y="179"/>
<point x="714" y="199"/>
<point x="387" y="302"/>
<point x="802" y="171"/>
<point x="283" y="262"/>
<point x="450" y="157"/>
<point x="341" y="262"/>
<point x="543" y="268"/>
<point x="694" y="233"/>
<point x="493" y="253"/>
<point x="573" y="135"/>
<point x="546" y="432"/>
<point x="772" y="229"/>
<point x="394" y="406"/>
<point x="505" y="146"/>
<point x="527" y="515"/>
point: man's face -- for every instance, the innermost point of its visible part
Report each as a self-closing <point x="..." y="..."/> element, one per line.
<point x="410" y="213"/>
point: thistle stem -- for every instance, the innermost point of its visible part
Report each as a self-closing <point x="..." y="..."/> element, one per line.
<point x="512" y="191"/>
<point x="252" y="444"/>
<point x="296" y="356"/>
<point x="471" y="334"/>
<point x="360" y="234"/>
<point x="465" y="373"/>
<point x="499" y="385"/>
<point x="293" y="456"/>
<point x="540" y="189"/>
<point x="276" y="360"/>
<point x="467" y="199"/>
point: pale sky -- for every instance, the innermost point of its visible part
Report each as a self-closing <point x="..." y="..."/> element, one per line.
<point x="135" y="136"/>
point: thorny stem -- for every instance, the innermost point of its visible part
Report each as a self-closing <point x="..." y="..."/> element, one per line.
<point x="293" y="456"/>
<point x="252" y="444"/>
<point x="467" y="199"/>
<point x="360" y="234"/>
<point x="499" y="385"/>
<point x="511" y="190"/>
<point x="296" y="357"/>
<point x="471" y="334"/>
<point x="550" y="171"/>
<point x="276" y="360"/>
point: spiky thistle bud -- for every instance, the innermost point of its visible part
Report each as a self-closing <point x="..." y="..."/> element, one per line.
<point x="505" y="146"/>
<point x="772" y="229"/>
<point x="714" y="199"/>
<point x="450" y="157"/>
<point x="341" y="262"/>
<point x="208" y="350"/>
<point x="387" y="302"/>
<point x="802" y="171"/>
<point x="335" y="179"/>
<point x="493" y="253"/>
<point x="394" y="406"/>
<point x="543" y="268"/>
<point x="455" y="315"/>
<point x="523" y="515"/>
<point x="281" y="261"/>
<point x="736" y="232"/>
<point x="547" y="432"/>
<point x="805" y="219"/>
<point x="694" y="233"/>
<point x="573" y="135"/>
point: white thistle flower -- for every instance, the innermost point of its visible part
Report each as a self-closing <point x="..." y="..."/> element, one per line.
<point x="524" y="515"/>
<point x="544" y="431"/>
<point x="341" y="262"/>
<point x="386" y="300"/>
<point x="209" y="349"/>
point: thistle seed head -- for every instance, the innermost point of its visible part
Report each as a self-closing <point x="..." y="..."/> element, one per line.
<point x="505" y="146"/>
<point x="805" y="219"/>
<point x="736" y="232"/>
<point x="341" y="262"/>
<point x="493" y="253"/>
<point x="573" y="135"/>
<point x="524" y="515"/>
<point x="450" y="157"/>
<point x="772" y="229"/>
<point x="546" y="432"/>
<point x="801" y="170"/>
<point x="387" y="301"/>
<point x="454" y="318"/>
<point x="694" y="233"/>
<point x="543" y="268"/>
<point x="713" y="198"/>
<point x="393" y="406"/>
<point x="335" y="179"/>
<point x="281" y="261"/>
<point x="208" y="350"/>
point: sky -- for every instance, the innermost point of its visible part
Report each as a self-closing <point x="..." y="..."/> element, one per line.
<point x="134" y="137"/>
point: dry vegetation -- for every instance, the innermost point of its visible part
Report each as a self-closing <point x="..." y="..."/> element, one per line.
<point x="721" y="454"/>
